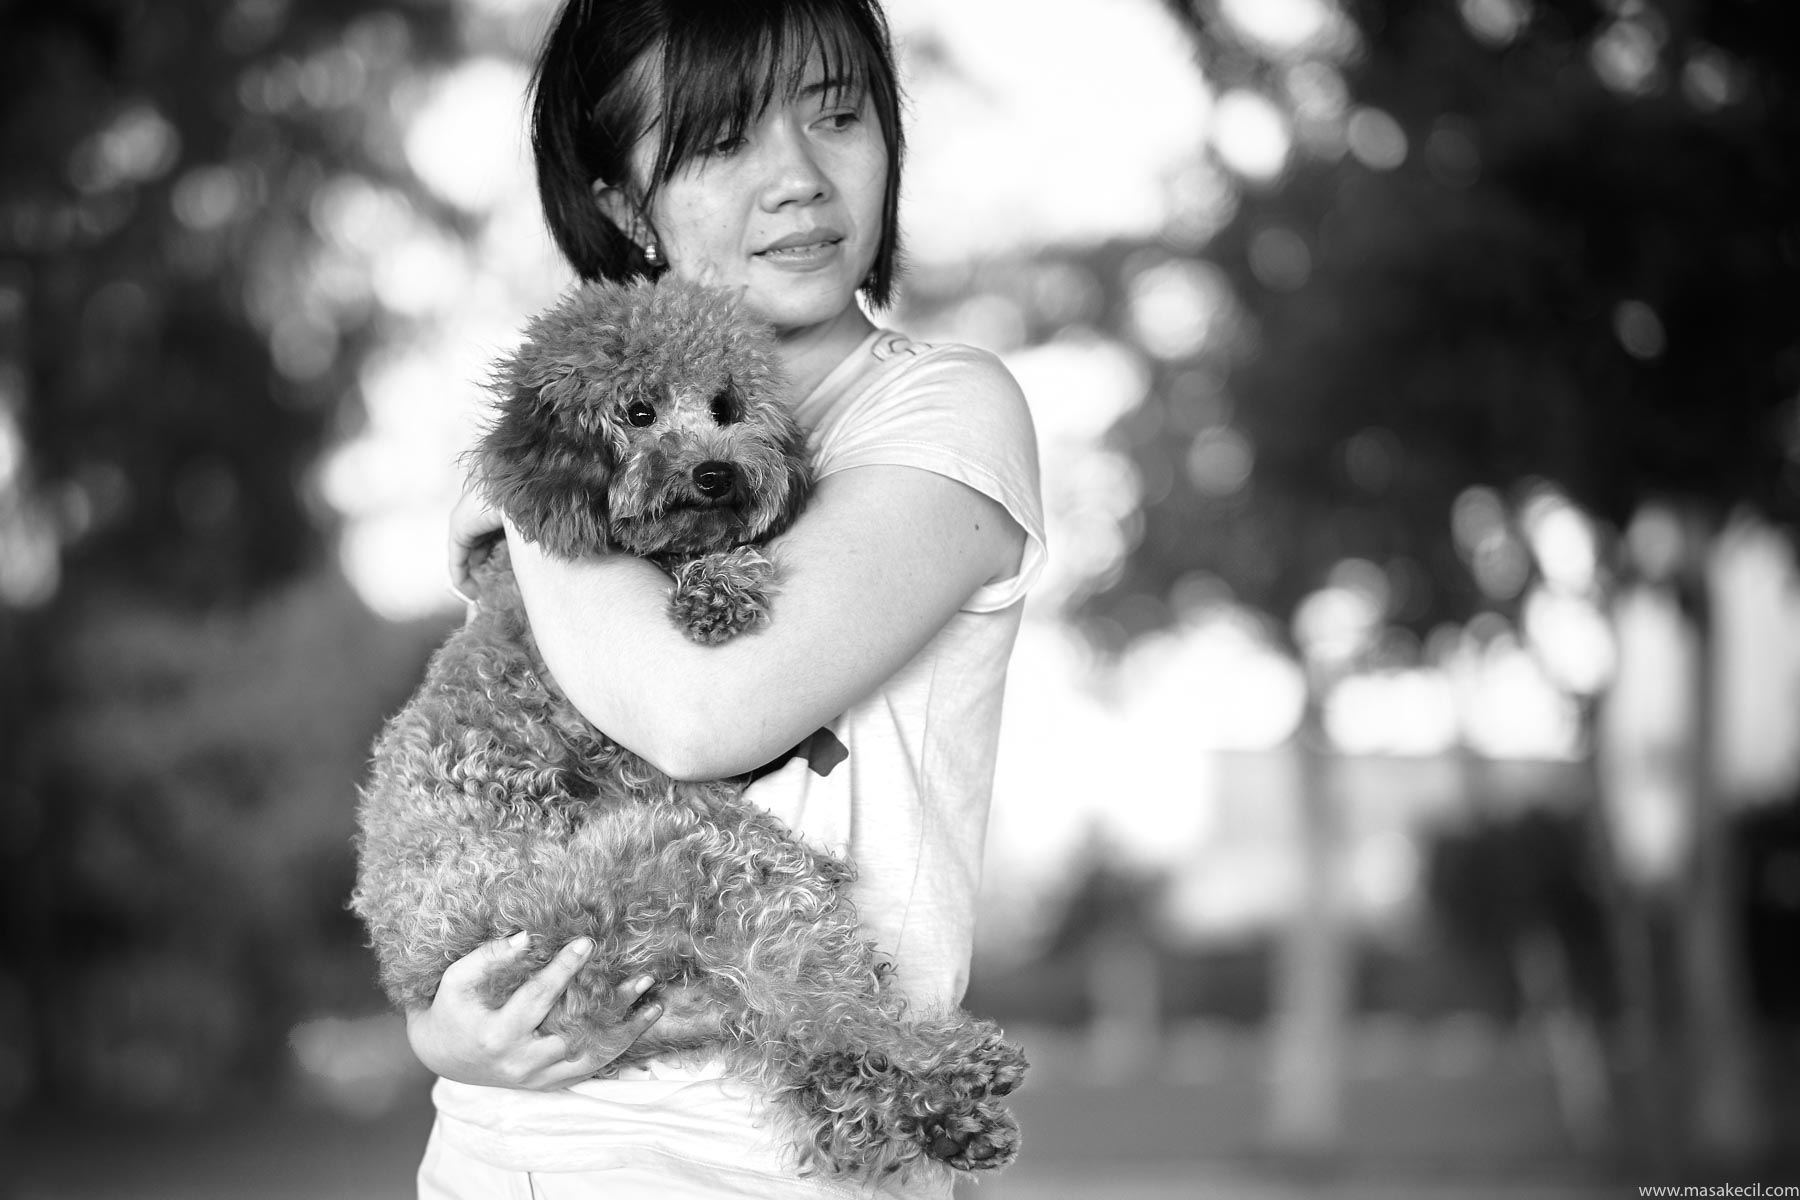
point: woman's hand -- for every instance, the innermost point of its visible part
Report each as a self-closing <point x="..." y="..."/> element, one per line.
<point x="474" y="524"/>
<point x="461" y="1038"/>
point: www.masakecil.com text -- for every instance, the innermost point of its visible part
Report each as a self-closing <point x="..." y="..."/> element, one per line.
<point x="1723" y="1189"/>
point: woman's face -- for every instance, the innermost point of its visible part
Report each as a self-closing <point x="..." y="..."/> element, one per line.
<point x="790" y="212"/>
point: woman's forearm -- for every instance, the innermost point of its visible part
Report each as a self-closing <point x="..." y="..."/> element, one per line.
<point x="604" y="629"/>
<point x="879" y="563"/>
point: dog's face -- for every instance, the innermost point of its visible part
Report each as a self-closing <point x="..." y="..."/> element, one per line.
<point x="646" y="417"/>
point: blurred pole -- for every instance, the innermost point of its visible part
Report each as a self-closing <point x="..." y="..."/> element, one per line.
<point x="1681" y="968"/>
<point x="1652" y="1123"/>
<point x="1110" y="926"/>
<point x="1643" y="764"/>
<point x="1726" y="1114"/>
<point x="1572" y="1046"/>
<point x="1311" y="993"/>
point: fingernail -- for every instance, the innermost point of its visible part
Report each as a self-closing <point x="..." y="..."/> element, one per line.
<point x="652" y="1011"/>
<point x="581" y="947"/>
<point x="642" y="984"/>
<point x="519" y="940"/>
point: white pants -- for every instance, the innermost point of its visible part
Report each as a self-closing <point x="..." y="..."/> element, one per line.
<point x="448" y="1173"/>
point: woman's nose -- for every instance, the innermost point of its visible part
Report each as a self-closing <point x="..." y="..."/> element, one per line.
<point x="795" y="176"/>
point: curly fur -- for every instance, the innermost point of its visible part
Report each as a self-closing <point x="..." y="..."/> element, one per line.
<point x="493" y="806"/>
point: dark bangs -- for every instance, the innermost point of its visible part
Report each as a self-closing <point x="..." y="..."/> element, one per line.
<point x="723" y="64"/>
<point x="720" y="73"/>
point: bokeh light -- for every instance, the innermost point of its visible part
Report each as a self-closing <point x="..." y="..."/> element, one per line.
<point x="1496" y="22"/>
<point x="1251" y="135"/>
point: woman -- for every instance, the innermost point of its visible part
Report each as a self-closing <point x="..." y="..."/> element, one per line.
<point x="756" y="145"/>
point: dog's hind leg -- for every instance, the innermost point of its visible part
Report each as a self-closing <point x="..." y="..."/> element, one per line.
<point x="870" y="1092"/>
<point x="868" y="1088"/>
<point x="807" y="985"/>
<point x="960" y="1066"/>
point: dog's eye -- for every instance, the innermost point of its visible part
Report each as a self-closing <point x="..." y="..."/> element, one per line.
<point x="724" y="408"/>
<point x="640" y="413"/>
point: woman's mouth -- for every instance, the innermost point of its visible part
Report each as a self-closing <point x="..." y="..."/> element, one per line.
<point x="803" y="249"/>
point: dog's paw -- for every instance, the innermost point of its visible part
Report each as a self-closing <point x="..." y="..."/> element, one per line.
<point x="1004" y="1065"/>
<point x="960" y="1120"/>
<point x="718" y="596"/>
<point x="984" y="1139"/>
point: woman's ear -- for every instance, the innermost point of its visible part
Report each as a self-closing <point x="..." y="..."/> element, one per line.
<point x="623" y="212"/>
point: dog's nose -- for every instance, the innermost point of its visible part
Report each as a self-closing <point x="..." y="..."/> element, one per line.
<point x="715" y="479"/>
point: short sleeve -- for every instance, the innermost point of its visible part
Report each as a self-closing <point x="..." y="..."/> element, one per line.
<point x="958" y="412"/>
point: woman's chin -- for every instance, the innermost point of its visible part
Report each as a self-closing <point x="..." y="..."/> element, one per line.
<point x="796" y="302"/>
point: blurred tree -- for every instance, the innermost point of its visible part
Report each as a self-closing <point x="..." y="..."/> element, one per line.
<point x="178" y="336"/>
<point x="1553" y="276"/>
<point x="1513" y="240"/>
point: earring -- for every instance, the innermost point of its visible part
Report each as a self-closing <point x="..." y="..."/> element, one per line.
<point x="652" y="255"/>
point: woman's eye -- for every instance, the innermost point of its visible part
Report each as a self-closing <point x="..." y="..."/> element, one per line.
<point x="726" y="147"/>
<point x="838" y="122"/>
<point x="639" y="413"/>
<point x="724" y="408"/>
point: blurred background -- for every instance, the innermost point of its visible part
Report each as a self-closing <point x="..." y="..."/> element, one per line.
<point x="1402" y="756"/>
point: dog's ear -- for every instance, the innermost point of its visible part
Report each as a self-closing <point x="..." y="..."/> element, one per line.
<point x="800" y="485"/>
<point x="798" y="465"/>
<point x="551" y="484"/>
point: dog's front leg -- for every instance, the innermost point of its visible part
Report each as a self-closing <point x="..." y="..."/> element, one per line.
<point x="718" y="596"/>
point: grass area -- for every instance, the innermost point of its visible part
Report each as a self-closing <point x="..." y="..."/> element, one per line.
<point x="275" y="1153"/>
<point x="1143" y="1143"/>
<point x="1456" y="1120"/>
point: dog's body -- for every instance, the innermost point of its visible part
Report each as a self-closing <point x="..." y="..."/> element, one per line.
<point x="645" y="418"/>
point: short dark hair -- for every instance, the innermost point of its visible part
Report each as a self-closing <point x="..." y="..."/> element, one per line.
<point x="717" y="65"/>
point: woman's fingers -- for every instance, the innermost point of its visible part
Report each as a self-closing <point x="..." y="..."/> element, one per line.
<point x="474" y="523"/>
<point x="460" y="1037"/>
<point x="469" y="970"/>
<point x="537" y="996"/>
<point x="552" y="1066"/>
<point x="637" y="1021"/>
<point x="617" y="1040"/>
<point x="546" y="1060"/>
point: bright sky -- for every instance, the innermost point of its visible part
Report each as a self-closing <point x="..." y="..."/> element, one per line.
<point x="1044" y="121"/>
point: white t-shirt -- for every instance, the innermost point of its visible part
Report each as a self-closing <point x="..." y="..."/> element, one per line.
<point x="901" y="782"/>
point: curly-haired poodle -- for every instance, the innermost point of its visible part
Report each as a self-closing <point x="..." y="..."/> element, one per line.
<point x="648" y="418"/>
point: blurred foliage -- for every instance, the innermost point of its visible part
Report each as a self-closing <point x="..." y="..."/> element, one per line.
<point x="1587" y="277"/>
<point x="1513" y="241"/>
<point x="189" y="685"/>
<point x="164" y="164"/>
